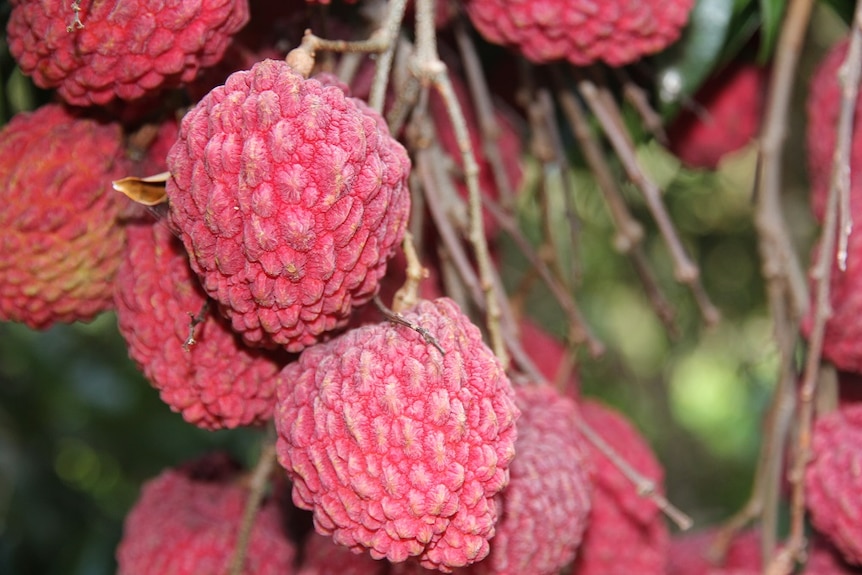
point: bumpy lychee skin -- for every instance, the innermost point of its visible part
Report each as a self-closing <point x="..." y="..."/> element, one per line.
<point x="626" y="533"/>
<point x="842" y="340"/>
<point x="617" y="32"/>
<point x="60" y="245"/>
<point x="690" y="555"/>
<point x="216" y="382"/>
<point x="545" y="507"/>
<point x="186" y="522"/>
<point x="322" y="556"/>
<point x="396" y="448"/>
<point x="833" y="483"/>
<point x="290" y="197"/>
<point x="95" y="51"/>
<point x="730" y="106"/>
<point x="822" y="109"/>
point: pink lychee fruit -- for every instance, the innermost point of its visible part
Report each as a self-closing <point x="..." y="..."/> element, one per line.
<point x="186" y="522"/>
<point x="93" y="52"/>
<point x="822" y="111"/>
<point x="322" y="556"/>
<point x="729" y="109"/>
<point x="184" y="347"/>
<point x="549" y="356"/>
<point x="626" y="532"/>
<point x="833" y="483"/>
<point x="545" y="507"/>
<point x="690" y="554"/>
<point x="396" y="447"/>
<point x="616" y="32"/>
<point x="289" y="197"/>
<point x="824" y="559"/>
<point x="60" y="244"/>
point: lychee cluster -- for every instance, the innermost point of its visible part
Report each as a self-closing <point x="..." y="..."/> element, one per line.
<point x="60" y="244"/>
<point x="289" y="197"/>
<point x="93" y="52"/>
<point x="833" y="482"/>
<point x="186" y="522"/>
<point x="187" y="351"/>
<point x="617" y="32"/>
<point x="396" y="447"/>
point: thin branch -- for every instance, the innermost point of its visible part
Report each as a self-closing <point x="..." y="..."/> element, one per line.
<point x="256" y="489"/>
<point x="639" y="99"/>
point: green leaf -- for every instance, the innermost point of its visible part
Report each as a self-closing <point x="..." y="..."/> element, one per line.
<point x="771" y="12"/>
<point x="844" y="9"/>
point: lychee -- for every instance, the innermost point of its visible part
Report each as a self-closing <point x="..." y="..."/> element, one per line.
<point x="396" y="447"/>
<point x="824" y="559"/>
<point x="545" y="507"/>
<point x="727" y="117"/>
<point x="833" y="482"/>
<point x="93" y="52"/>
<point x="184" y="347"/>
<point x="322" y="556"/>
<point x="289" y="197"/>
<point x="690" y="554"/>
<point x="626" y="532"/>
<point x="60" y="244"/>
<point x="187" y="520"/>
<point x="617" y="32"/>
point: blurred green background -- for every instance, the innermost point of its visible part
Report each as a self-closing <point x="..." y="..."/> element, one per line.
<point x="80" y="429"/>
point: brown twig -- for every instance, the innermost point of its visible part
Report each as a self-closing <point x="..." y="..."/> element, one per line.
<point x="645" y="487"/>
<point x="608" y="115"/>
<point x="849" y="76"/>
<point x="194" y="322"/>
<point x="639" y="99"/>
<point x="407" y="295"/>
<point x="396" y="317"/>
<point x="256" y="489"/>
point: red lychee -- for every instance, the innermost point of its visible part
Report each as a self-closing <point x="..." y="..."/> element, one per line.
<point x="824" y="559"/>
<point x="626" y="532"/>
<point x="186" y="522"/>
<point x="617" y="32"/>
<point x="397" y="448"/>
<point x="60" y="244"/>
<point x="729" y="108"/>
<point x="322" y="556"/>
<point x="689" y="555"/>
<point x="93" y="52"/>
<point x="215" y="381"/>
<point x="833" y="482"/>
<point x="289" y="197"/>
<point x="544" y="509"/>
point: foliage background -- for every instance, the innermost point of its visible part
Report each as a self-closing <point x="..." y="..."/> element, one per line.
<point x="80" y="429"/>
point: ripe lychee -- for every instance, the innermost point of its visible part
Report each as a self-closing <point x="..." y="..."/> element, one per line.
<point x="626" y="532"/>
<point x="833" y="482"/>
<point x="545" y="507"/>
<point x="322" y="556"/>
<point x="729" y="108"/>
<point x="289" y="197"/>
<point x="184" y="347"/>
<point x="824" y="559"/>
<point x="60" y="244"/>
<point x="93" y="52"/>
<point x="690" y="554"/>
<point x="397" y="448"/>
<point x="617" y="32"/>
<point x="186" y="522"/>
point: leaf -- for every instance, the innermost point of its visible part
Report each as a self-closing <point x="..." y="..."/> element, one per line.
<point x="843" y="8"/>
<point x="771" y="12"/>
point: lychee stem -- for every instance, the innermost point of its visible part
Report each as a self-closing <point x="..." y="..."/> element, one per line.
<point x="195" y="320"/>
<point x="396" y="317"/>
<point x="639" y="99"/>
<point x="645" y="486"/>
<point x="407" y="295"/>
<point x="256" y="489"/>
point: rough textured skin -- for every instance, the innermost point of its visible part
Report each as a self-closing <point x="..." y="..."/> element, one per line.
<point x="833" y="482"/>
<point x="123" y="48"/>
<point x="730" y="106"/>
<point x="545" y="507"/>
<point x="822" y="109"/>
<point x="59" y="242"/>
<point x="842" y="342"/>
<point x="186" y="520"/>
<point x="290" y="197"/>
<point x="396" y="448"/>
<point x="617" y="32"/>
<point x="626" y="532"/>
<point x="217" y="382"/>
<point x="322" y="556"/>
<point x="689" y="555"/>
<point x="824" y="559"/>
